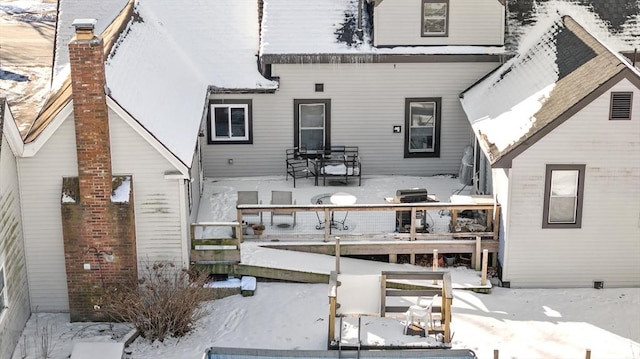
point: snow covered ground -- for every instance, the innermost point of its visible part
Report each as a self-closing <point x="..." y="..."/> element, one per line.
<point x="520" y="323"/>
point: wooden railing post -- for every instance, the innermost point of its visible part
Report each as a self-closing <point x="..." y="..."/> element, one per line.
<point x="327" y="224"/>
<point x="333" y="294"/>
<point x="240" y="227"/>
<point x="337" y="254"/>
<point x="434" y="263"/>
<point x="477" y="253"/>
<point x="485" y="260"/>
<point x="412" y="231"/>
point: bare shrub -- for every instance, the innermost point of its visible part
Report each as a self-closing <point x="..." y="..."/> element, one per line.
<point x="165" y="301"/>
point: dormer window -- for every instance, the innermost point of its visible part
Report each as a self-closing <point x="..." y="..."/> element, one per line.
<point x="435" y="14"/>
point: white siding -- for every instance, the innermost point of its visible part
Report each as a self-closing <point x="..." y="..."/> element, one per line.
<point x="366" y="101"/>
<point x="196" y="186"/>
<point x="41" y="185"/>
<point x="607" y="247"/>
<point x="12" y="259"/>
<point x="500" y="182"/>
<point x="471" y="22"/>
<point x="156" y="202"/>
<point x="156" y="199"/>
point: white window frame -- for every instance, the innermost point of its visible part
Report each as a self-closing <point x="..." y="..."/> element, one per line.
<point x="423" y="22"/>
<point x="230" y="106"/>
<point x="325" y="127"/>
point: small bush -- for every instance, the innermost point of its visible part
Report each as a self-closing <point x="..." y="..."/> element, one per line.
<point x="165" y="301"/>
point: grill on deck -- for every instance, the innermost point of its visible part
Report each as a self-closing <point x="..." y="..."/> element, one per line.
<point x="412" y="195"/>
<point x="403" y="218"/>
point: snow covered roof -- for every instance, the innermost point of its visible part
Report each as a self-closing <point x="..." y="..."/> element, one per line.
<point x="329" y="27"/>
<point x="616" y="22"/>
<point x="104" y="11"/>
<point x="164" y="63"/>
<point x="559" y="66"/>
<point x="161" y="67"/>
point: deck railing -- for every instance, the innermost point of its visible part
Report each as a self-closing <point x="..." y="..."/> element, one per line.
<point x="415" y="228"/>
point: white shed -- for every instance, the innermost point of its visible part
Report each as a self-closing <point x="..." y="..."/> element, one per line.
<point x="559" y="125"/>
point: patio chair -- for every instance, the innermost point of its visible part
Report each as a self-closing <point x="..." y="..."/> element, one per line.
<point x="249" y="197"/>
<point x="298" y="166"/>
<point x="421" y="312"/>
<point x="283" y="197"/>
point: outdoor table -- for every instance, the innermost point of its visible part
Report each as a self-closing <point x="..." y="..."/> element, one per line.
<point x="340" y="199"/>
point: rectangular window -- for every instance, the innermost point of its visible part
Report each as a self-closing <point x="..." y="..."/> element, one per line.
<point x="3" y="300"/>
<point x="312" y="119"/>
<point x="621" y="105"/>
<point x="229" y="121"/>
<point x="564" y="187"/>
<point x="422" y="121"/>
<point x="435" y="14"/>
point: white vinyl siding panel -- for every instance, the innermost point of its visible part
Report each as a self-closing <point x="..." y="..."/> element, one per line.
<point x="12" y="257"/>
<point x="500" y="181"/>
<point x="367" y="100"/>
<point x="41" y="186"/>
<point x="471" y="22"/>
<point x="156" y="199"/>
<point x="607" y="246"/>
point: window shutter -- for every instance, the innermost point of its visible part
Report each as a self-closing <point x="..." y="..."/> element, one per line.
<point x="621" y="105"/>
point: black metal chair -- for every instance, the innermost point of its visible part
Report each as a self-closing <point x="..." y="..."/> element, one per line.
<point x="297" y="165"/>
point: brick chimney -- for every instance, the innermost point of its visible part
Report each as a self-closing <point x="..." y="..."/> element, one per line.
<point x="99" y="235"/>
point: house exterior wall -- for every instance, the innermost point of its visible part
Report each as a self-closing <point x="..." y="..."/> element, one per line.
<point x="156" y="201"/>
<point x="500" y="182"/>
<point x="367" y="100"/>
<point x="40" y="186"/>
<point x="196" y="186"/>
<point x="471" y="22"/>
<point x="12" y="257"/>
<point x="607" y="246"/>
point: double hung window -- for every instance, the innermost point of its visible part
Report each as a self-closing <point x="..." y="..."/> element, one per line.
<point x="229" y="121"/>
<point x="422" y="121"/>
<point x="435" y="14"/>
<point x="564" y="187"/>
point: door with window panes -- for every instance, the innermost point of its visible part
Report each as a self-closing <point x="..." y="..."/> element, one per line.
<point x="312" y="124"/>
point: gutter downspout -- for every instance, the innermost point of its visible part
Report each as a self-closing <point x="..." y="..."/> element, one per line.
<point x="184" y="225"/>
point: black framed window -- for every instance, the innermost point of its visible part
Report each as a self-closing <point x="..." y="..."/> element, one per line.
<point x="229" y="122"/>
<point x="312" y="124"/>
<point x="435" y="18"/>
<point x="422" y="123"/>
<point x="563" y="196"/>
